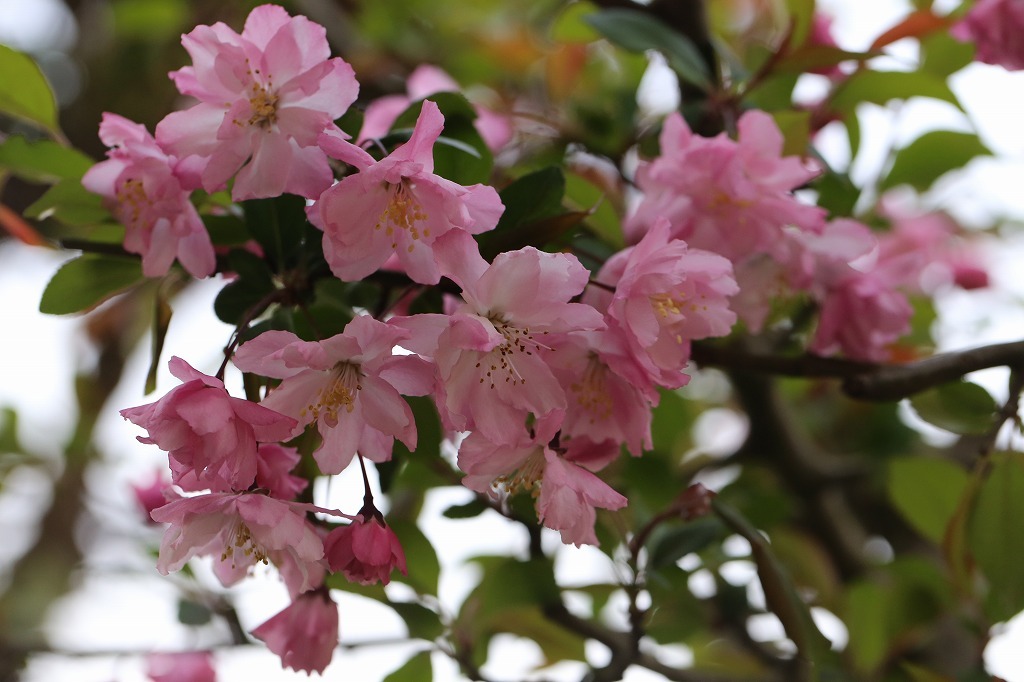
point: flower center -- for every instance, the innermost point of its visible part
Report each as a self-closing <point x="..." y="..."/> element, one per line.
<point x="527" y="476"/>
<point x="501" y="359"/>
<point x="338" y="393"/>
<point x="402" y="213"/>
<point x="263" y="104"/>
<point x="591" y="391"/>
<point x="131" y="198"/>
<point x="241" y="539"/>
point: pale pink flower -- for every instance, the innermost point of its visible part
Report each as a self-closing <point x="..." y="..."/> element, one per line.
<point x="210" y="437"/>
<point x="366" y="550"/>
<point x="568" y="492"/>
<point x="494" y="129"/>
<point x="145" y="195"/>
<point x="241" y="529"/>
<point x="997" y="29"/>
<point x="666" y="295"/>
<point x="397" y="206"/>
<point x="491" y="352"/>
<point x="264" y="98"/>
<point x="305" y="633"/>
<point x="193" y="666"/>
<point x="730" y="197"/>
<point x="346" y="384"/>
<point x="274" y="462"/>
<point x="152" y="495"/>
<point x="861" y="315"/>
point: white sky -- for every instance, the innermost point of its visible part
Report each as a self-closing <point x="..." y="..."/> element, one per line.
<point x="134" y="611"/>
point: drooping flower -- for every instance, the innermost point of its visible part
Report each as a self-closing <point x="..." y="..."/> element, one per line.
<point x="398" y="207"/>
<point x="730" y="197"/>
<point x="997" y="29"/>
<point x="424" y="81"/>
<point x="346" y="384"/>
<point x="305" y="633"/>
<point x="491" y="352"/>
<point x="241" y="529"/>
<point x="193" y="666"/>
<point x="567" y="493"/>
<point x="666" y="295"/>
<point x="145" y="195"/>
<point x="366" y="550"/>
<point x="210" y="437"/>
<point x="265" y="95"/>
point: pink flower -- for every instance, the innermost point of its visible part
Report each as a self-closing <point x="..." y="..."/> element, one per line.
<point x="366" y="550"/>
<point x="861" y="315"/>
<point x="273" y="464"/>
<point x="424" y="81"/>
<point x="397" y="206"/>
<point x="730" y="197"/>
<point x="346" y="384"/>
<point x="665" y="296"/>
<point x="491" y="352"/>
<point x="568" y="493"/>
<point x="147" y="197"/>
<point x="238" y="528"/>
<point x="264" y="98"/>
<point x="194" y="666"/>
<point x="997" y="28"/>
<point x="209" y="436"/>
<point x="151" y="496"/>
<point x="305" y="633"/>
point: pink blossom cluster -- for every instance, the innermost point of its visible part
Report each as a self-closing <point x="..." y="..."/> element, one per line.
<point x="996" y="27"/>
<point x="548" y="369"/>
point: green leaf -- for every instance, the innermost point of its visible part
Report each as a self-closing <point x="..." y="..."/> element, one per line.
<point x="192" y="613"/>
<point x="865" y="619"/>
<point x="424" y="569"/>
<point x="469" y="510"/>
<point x="161" y="323"/>
<point x="996" y="535"/>
<point x="421" y="622"/>
<point x="944" y="55"/>
<point x="69" y="203"/>
<point x="570" y="26"/>
<point x="932" y="155"/>
<point x="152" y="20"/>
<point x="801" y="14"/>
<point x="279" y="225"/>
<point x="879" y="87"/>
<point x="42" y="160"/>
<point x="462" y="156"/>
<point x="927" y="492"/>
<point x="416" y="669"/>
<point x="86" y="281"/>
<point x="638" y="31"/>
<point x="678" y="542"/>
<point x="960" y="407"/>
<point x="24" y="91"/>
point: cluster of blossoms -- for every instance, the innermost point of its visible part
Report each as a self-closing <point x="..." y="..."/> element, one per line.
<point x="550" y="368"/>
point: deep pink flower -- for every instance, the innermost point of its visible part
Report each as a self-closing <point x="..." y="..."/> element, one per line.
<point x="145" y="195"/>
<point x="397" y="206"/>
<point x="568" y="492"/>
<point x="997" y="29"/>
<point x="366" y="550"/>
<point x="666" y="295"/>
<point x="195" y="666"/>
<point x="495" y="130"/>
<point x="861" y="315"/>
<point x="346" y="384"/>
<point x="730" y="197"/>
<point x="274" y="463"/>
<point x="152" y="495"/>
<point x="241" y="529"/>
<point x="210" y="437"/>
<point x="305" y="633"/>
<point x="491" y="352"/>
<point x="264" y="98"/>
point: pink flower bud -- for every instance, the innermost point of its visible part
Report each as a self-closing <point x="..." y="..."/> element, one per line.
<point x="366" y="550"/>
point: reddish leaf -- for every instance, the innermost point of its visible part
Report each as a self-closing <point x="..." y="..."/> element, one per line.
<point x="915" y="25"/>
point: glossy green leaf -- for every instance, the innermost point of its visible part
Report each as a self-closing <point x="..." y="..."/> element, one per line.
<point x="69" y="203"/>
<point x="995" y="535"/>
<point x="86" y="281"/>
<point x="879" y="87"/>
<point x="694" y="536"/>
<point x="416" y="669"/>
<point x="279" y="225"/>
<point x="638" y="31"/>
<point x="926" y="491"/>
<point x="421" y="622"/>
<point x="931" y="156"/>
<point x="253" y="284"/>
<point x="24" y="91"/>
<point x="960" y="407"/>
<point x="42" y="160"/>
<point x="424" y="569"/>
